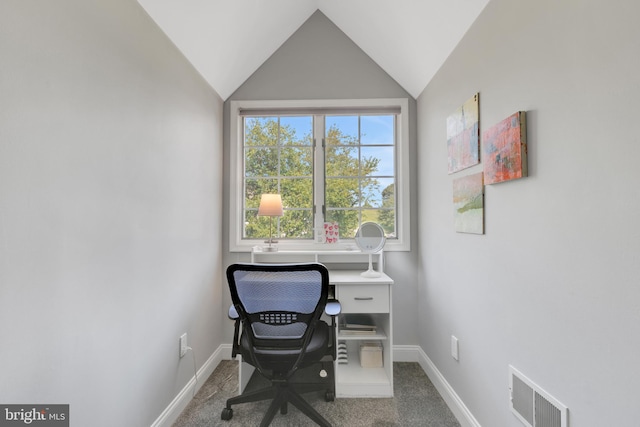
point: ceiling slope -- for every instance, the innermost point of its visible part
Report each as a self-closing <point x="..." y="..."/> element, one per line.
<point x="227" y="40"/>
<point x="409" y="39"/>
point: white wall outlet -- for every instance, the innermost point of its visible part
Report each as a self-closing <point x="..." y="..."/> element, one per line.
<point x="183" y="344"/>
<point x="454" y="347"/>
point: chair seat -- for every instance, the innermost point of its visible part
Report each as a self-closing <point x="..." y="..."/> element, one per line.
<point x="280" y="359"/>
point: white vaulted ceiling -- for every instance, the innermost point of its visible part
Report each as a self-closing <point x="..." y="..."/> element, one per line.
<point x="227" y="40"/>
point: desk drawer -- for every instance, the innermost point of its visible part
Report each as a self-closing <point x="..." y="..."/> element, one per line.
<point x="364" y="298"/>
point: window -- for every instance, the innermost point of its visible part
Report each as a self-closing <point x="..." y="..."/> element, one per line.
<point x="278" y="158"/>
<point x="332" y="161"/>
<point x="360" y="171"/>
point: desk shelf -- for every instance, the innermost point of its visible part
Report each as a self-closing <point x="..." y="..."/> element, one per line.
<point x="352" y="380"/>
<point x="380" y="336"/>
<point x="362" y="376"/>
<point x="324" y="256"/>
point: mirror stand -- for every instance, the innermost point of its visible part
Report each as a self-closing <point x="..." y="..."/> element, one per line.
<point x="370" y="272"/>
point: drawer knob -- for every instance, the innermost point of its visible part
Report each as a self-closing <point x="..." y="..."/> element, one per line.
<point x="363" y="298"/>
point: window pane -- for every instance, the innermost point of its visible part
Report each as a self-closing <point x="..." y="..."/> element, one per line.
<point x="342" y="193"/>
<point x="261" y="162"/>
<point x="370" y="215"/>
<point x="373" y="191"/>
<point x="381" y="161"/>
<point x="297" y="193"/>
<point x="377" y="130"/>
<point x="388" y="193"/>
<point x="369" y="190"/>
<point x="342" y="161"/>
<point x="296" y="161"/>
<point x="296" y="130"/>
<point x="297" y="224"/>
<point x="261" y="131"/>
<point x="387" y="219"/>
<point x="254" y="226"/>
<point x="341" y="130"/>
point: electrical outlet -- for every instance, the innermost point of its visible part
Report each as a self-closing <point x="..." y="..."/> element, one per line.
<point x="454" y="347"/>
<point x="183" y="344"/>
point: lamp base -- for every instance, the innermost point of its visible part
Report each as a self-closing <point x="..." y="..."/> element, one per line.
<point x="269" y="249"/>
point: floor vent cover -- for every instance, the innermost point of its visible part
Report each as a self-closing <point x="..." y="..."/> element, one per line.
<point x="532" y="405"/>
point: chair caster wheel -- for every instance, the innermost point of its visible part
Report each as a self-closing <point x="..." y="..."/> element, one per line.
<point x="227" y="414"/>
<point x="329" y="396"/>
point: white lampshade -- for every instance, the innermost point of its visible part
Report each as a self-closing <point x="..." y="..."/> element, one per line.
<point x="270" y="205"/>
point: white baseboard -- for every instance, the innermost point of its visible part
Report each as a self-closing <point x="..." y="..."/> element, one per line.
<point x="401" y="353"/>
<point x="413" y="353"/>
<point x="406" y="353"/>
<point x="175" y="408"/>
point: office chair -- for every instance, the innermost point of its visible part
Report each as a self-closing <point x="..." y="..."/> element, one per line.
<point x="279" y="307"/>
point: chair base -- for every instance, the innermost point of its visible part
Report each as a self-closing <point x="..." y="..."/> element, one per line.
<point x="282" y="393"/>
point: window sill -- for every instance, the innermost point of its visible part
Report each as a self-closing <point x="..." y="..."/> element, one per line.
<point x="346" y="246"/>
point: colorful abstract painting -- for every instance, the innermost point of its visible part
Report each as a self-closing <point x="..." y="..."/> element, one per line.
<point x="468" y="204"/>
<point x="504" y="150"/>
<point x="463" y="136"/>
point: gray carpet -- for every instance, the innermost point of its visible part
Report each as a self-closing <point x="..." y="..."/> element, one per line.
<point x="416" y="403"/>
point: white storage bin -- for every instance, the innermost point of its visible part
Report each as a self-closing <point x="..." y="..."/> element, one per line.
<point x="371" y="354"/>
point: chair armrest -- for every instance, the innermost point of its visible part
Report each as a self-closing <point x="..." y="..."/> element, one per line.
<point x="233" y="314"/>
<point x="333" y="307"/>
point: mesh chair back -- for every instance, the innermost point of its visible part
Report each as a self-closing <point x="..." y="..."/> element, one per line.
<point x="279" y="301"/>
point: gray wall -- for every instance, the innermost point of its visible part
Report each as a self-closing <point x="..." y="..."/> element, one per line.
<point x="552" y="287"/>
<point x="110" y="211"/>
<point x="320" y="62"/>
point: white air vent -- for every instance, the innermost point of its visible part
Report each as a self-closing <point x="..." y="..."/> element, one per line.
<point x="534" y="406"/>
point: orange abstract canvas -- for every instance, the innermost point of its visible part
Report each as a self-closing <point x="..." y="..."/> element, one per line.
<point x="463" y="136"/>
<point x="504" y="150"/>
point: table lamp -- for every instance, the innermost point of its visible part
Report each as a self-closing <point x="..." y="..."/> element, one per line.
<point x="270" y="205"/>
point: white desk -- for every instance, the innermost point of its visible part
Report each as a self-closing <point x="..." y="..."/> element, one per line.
<point x="358" y="294"/>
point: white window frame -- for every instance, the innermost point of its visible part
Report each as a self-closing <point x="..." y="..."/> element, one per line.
<point x="236" y="193"/>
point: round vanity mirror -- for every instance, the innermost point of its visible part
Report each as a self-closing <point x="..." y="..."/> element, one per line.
<point x="370" y="239"/>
